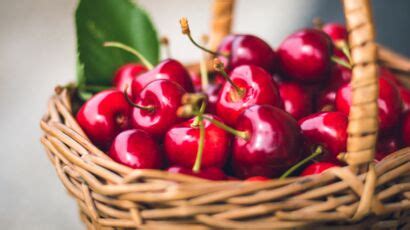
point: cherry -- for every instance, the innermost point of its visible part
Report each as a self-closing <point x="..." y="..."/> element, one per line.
<point x="317" y="168"/>
<point x="386" y="145"/>
<point x="125" y="74"/>
<point x="337" y="32"/>
<point x="257" y="178"/>
<point x="248" y="85"/>
<point x="306" y="55"/>
<point x="181" y="144"/>
<point x="225" y="47"/>
<point x="136" y="149"/>
<point x="212" y="92"/>
<point x="156" y="107"/>
<point x="196" y="81"/>
<point x="405" y="96"/>
<point x="386" y="74"/>
<point x="389" y="103"/>
<point x="326" y="129"/>
<point x="272" y="144"/>
<point x="296" y="100"/>
<point x="405" y="132"/>
<point x="168" y="69"/>
<point x="103" y="116"/>
<point x="212" y="173"/>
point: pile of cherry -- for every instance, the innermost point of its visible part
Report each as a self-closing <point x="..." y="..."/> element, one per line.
<point x="261" y="113"/>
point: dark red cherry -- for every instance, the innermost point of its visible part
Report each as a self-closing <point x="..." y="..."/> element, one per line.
<point x="317" y="168"/>
<point x="103" y="116"/>
<point x="225" y="47"/>
<point x="305" y="55"/>
<point x="257" y="178"/>
<point x="387" y="145"/>
<point x="159" y="100"/>
<point x="206" y="173"/>
<point x="168" y="69"/>
<point x="257" y="88"/>
<point x="212" y="92"/>
<point x="296" y="100"/>
<point x="405" y="132"/>
<point x="326" y="129"/>
<point x="389" y="103"/>
<point x="335" y="31"/>
<point x="181" y="144"/>
<point x="125" y="74"/>
<point x="387" y="74"/>
<point x="272" y="146"/>
<point x="405" y="96"/>
<point x="136" y="149"/>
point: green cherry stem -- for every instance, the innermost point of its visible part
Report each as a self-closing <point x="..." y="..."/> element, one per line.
<point x="341" y="62"/>
<point x="149" y="108"/>
<point x="241" y="134"/>
<point x="317" y="152"/>
<point x="219" y="66"/>
<point x="198" y="121"/>
<point x="129" y="49"/>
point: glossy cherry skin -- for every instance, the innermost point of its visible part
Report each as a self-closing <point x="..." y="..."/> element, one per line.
<point x="168" y="69"/>
<point x="225" y="47"/>
<point x="389" y="103"/>
<point x="125" y="74"/>
<point x="296" y="100"/>
<point x="103" y="116"/>
<point x="181" y="144"/>
<point x="386" y="145"/>
<point x="258" y="89"/>
<point x="206" y="173"/>
<point x="165" y="97"/>
<point x="273" y="144"/>
<point x="317" y="168"/>
<point x="405" y="132"/>
<point x="136" y="149"/>
<point x="327" y="129"/>
<point x="405" y="97"/>
<point x="387" y="74"/>
<point x="212" y="92"/>
<point x="305" y="56"/>
<point x="335" y="31"/>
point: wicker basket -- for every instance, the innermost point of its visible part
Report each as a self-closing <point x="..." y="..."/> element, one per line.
<point x="361" y="195"/>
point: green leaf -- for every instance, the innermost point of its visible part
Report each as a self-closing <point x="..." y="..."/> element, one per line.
<point x="98" y="21"/>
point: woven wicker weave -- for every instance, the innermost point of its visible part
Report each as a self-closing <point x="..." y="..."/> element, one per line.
<point x="361" y="195"/>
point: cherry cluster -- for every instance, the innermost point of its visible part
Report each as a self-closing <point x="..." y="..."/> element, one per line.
<point x="259" y="113"/>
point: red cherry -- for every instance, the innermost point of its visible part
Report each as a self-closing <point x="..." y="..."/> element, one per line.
<point x="181" y="144"/>
<point x="305" y="55"/>
<point x="405" y="133"/>
<point x="327" y="129"/>
<point x="389" y="103"/>
<point x="386" y="74"/>
<point x="196" y="81"/>
<point x="386" y="145"/>
<point x="225" y="47"/>
<point x="103" y="116"/>
<point x="296" y="101"/>
<point x="136" y="149"/>
<point x="405" y="96"/>
<point x="206" y="173"/>
<point x="317" y="168"/>
<point x="273" y="144"/>
<point x="257" y="178"/>
<point x="257" y="88"/>
<point x="125" y="74"/>
<point x="212" y="92"/>
<point x="335" y="31"/>
<point x="160" y="100"/>
<point x="168" y="69"/>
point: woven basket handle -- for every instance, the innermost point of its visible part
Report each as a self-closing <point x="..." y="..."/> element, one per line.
<point x="221" y="21"/>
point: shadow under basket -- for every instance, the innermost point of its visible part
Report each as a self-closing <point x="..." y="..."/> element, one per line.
<point x="362" y="195"/>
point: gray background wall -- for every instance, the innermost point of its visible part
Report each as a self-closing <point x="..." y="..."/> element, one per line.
<point x="37" y="52"/>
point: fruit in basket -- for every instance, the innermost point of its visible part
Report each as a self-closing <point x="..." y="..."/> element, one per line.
<point x="212" y="173"/>
<point x="181" y="144"/>
<point x="405" y="96"/>
<point x="272" y="144"/>
<point x="125" y="74"/>
<point x="389" y="103"/>
<point x="296" y="100"/>
<point x="317" y="168"/>
<point x="103" y="116"/>
<point x="326" y="129"/>
<point x="212" y="93"/>
<point x="247" y="85"/>
<point x="155" y="107"/>
<point x="337" y="32"/>
<point x="225" y="47"/>
<point x="387" y="74"/>
<point x="386" y="145"/>
<point x="168" y="69"/>
<point x="305" y="56"/>
<point x="405" y="132"/>
<point x="136" y="149"/>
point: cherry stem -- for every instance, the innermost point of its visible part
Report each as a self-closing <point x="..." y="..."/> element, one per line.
<point x="341" y="62"/>
<point x="241" y="134"/>
<point x="219" y="66"/>
<point x="199" y="121"/>
<point x="342" y="45"/>
<point x="202" y="67"/>
<point x="129" y="49"/>
<point x="317" y="152"/>
<point x="199" y="116"/>
<point x="165" y="43"/>
<point x="149" y="108"/>
<point x="186" y="30"/>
